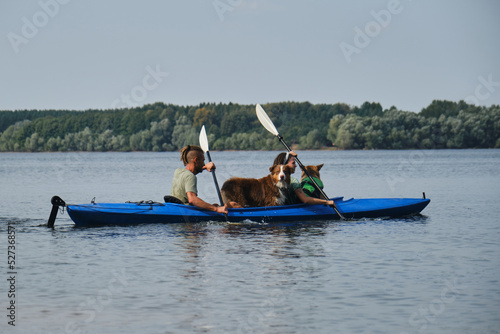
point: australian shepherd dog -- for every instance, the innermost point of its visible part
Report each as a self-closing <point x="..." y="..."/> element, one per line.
<point x="270" y="190"/>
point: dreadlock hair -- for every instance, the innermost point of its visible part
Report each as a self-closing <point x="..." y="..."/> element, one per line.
<point x="189" y="152"/>
<point x="282" y="158"/>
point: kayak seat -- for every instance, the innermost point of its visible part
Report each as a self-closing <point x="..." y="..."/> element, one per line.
<point x="172" y="199"/>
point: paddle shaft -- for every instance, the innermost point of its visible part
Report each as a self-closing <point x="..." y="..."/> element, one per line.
<point x="307" y="173"/>
<point x="215" y="180"/>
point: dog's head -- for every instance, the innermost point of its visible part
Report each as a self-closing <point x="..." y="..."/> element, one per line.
<point x="281" y="175"/>
<point x="313" y="171"/>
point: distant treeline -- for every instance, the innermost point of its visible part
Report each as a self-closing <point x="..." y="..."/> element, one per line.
<point x="167" y="127"/>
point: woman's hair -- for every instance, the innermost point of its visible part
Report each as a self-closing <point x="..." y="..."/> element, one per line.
<point x="189" y="152"/>
<point x="282" y="158"/>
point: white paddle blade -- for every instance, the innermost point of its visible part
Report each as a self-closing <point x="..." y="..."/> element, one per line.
<point x="265" y="120"/>
<point x="203" y="139"/>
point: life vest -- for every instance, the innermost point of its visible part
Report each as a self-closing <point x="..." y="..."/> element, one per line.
<point x="309" y="189"/>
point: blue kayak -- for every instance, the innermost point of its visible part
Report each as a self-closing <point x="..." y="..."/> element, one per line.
<point x="96" y="214"/>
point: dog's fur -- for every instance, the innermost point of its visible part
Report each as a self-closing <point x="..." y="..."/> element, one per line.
<point x="306" y="185"/>
<point x="267" y="191"/>
<point x="312" y="170"/>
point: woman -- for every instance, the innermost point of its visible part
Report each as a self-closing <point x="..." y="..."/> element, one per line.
<point x="295" y="192"/>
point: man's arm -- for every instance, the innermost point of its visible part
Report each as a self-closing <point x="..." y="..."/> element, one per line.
<point x="196" y="201"/>
<point x="210" y="166"/>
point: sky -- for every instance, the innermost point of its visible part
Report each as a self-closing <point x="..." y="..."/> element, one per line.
<point x="89" y="54"/>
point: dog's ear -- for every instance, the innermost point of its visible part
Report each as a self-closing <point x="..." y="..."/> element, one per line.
<point x="319" y="166"/>
<point x="272" y="168"/>
<point x="287" y="169"/>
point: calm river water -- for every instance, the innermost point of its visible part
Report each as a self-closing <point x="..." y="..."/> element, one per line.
<point x="434" y="273"/>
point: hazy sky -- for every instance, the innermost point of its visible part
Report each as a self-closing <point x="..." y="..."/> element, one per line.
<point x="85" y="54"/>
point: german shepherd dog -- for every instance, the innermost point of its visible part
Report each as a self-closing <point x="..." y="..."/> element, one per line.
<point x="307" y="185"/>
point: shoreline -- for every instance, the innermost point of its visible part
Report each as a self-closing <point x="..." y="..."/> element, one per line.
<point x="304" y="150"/>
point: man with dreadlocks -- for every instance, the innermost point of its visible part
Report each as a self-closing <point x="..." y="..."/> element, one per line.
<point x="184" y="184"/>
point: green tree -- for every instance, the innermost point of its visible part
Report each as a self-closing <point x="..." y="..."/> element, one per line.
<point x="184" y="133"/>
<point x="161" y="136"/>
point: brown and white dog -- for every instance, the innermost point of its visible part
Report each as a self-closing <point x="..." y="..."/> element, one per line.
<point x="267" y="191"/>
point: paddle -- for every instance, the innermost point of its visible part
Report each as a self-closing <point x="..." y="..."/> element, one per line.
<point x="204" y="147"/>
<point x="268" y="124"/>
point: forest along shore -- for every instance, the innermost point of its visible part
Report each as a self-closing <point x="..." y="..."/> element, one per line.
<point x="167" y="127"/>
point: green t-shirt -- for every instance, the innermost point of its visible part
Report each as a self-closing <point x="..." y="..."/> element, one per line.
<point x="184" y="181"/>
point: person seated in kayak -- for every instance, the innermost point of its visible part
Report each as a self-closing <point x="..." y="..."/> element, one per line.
<point x="296" y="194"/>
<point x="184" y="183"/>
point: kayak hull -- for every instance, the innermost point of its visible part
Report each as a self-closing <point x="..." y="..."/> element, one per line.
<point x="96" y="214"/>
